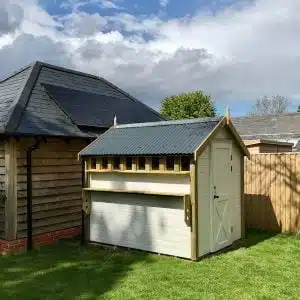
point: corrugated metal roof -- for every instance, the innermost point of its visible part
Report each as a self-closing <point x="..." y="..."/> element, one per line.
<point x="159" y="138"/>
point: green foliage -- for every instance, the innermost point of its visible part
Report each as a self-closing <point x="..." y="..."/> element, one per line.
<point x="269" y="106"/>
<point x="298" y="108"/>
<point x="188" y="106"/>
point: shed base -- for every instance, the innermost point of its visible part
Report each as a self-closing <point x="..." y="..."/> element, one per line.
<point x="19" y="245"/>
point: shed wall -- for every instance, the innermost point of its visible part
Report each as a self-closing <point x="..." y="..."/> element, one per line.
<point x="2" y="189"/>
<point x="56" y="176"/>
<point x="204" y="165"/>
<point x="204" y="192"/>
<point x="147" y="222"/>
<point x="157" y="183"/>
<point x="269" y="148"/>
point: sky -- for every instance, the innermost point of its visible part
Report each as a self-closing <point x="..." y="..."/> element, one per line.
<point x="234" y="50"/>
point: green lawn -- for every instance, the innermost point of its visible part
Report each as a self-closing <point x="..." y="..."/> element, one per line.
<point x="263" y="267"/>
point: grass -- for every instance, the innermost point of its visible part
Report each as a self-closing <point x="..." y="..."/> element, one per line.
<point x="263" y="267"/>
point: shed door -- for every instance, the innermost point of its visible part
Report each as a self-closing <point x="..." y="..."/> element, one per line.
<point x="221" y="185"/>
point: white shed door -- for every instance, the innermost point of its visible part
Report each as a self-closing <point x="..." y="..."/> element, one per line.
<point x="221" y="185"/>
<point x="146" y="222"/>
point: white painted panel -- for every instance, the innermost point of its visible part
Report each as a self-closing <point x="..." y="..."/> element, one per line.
<point x="141" y="182"/>
<point x="203" y="176"/>
<point x="236" y="192"/>
<point x="146" y="222"/>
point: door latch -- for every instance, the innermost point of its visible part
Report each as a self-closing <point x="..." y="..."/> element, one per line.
<point x="216" y="197"/>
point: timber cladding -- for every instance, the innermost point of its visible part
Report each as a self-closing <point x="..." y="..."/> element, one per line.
<point x="2" y="189"/>
<point x="56" y="185"/>
<point x="272" y="192"/>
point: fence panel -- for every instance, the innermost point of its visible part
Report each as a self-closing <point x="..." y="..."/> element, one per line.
<point x="272" y="192"/>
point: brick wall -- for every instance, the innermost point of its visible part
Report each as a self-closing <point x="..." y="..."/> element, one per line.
<point x="7" y="247"/>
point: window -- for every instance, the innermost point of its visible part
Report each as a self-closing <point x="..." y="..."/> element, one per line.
<point x="104" y="163"/>
<point x="170" y="163"/>
<point x="155" y="163"/>
<point x="128" y="163"/>
<point x="141" y="163"/>
<point x="116" y="163"/>
<point x="93" y="163"/>
<point x="185" y="163"/>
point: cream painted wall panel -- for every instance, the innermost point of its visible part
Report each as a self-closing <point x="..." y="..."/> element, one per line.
<point x="203" y="177"/>
<point x="151" y="223"/>
<point x="236" y="191"/>
<point x="178" y="184"/>
<point x="224" y="133"/>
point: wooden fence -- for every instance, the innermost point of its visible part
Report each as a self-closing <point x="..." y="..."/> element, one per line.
<point x="272" y="192"/>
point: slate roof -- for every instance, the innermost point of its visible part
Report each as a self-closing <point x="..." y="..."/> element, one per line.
<point x="280" y="126"/>
<point x="42" y="99"/>
<point x="158" y="138"/>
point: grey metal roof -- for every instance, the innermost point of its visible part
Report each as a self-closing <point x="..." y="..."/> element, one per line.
<point x="27" y="108"/>
<point x="268" y="127"/>
<point x="158" y="138"/>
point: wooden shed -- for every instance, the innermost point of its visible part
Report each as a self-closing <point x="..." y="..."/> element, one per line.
<point x="268" y="146"/>
<point x="172" y="187"/>
<point x="47" y="115"/>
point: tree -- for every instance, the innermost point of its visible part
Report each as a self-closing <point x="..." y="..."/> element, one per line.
<point x="188" y="106"/>
<point x="269" y="106"/>
<point x="298" y="108"/>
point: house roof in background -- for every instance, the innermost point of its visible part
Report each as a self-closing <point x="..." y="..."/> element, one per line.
<point x="267" y="142"/>
<point x="271" y="127"/>
<point x="42" y="99"/>
<point x="158" y="138"/>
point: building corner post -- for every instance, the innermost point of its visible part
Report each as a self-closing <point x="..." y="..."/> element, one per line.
<point x="10" y="189"/>
<point x="194" y="204"/>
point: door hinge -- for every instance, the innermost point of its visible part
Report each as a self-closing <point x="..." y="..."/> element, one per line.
<point x="231" y="156"/>
<point x="231" y="168"/>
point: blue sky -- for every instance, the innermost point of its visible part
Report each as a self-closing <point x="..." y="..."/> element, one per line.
<point x="173" y="9"/>
<point x="234" y="50"/>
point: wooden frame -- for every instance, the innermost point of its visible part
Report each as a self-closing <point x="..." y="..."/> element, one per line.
<point x="194" y="212"/>
<point x="162" y="169"/>
<point x="243" y="218"/>
<point x="134" y="192"/>
<point x="11" y="189"/>
<point x="187" y="210"/>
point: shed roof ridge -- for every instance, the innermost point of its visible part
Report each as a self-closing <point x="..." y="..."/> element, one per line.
<point x="10" y="75"/>
<point x="172" y="122"/>
<point x="22" y="98"/>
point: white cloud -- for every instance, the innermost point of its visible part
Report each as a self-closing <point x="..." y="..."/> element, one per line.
<point x="240" y="53"/>
<point x="11" y="16"/>
<point x="163" y="3"/>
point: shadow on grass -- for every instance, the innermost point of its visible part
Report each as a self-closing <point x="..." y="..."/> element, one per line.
<point x="252" y="238"/>
<point x="65" y="271"/>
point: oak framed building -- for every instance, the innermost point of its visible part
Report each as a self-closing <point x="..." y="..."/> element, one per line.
<point x="171" y="187"/>
<point x="47" y="115"/>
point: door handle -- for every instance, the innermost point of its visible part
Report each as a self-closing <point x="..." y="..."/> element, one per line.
<point x="216" y="197"/>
